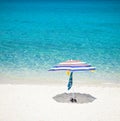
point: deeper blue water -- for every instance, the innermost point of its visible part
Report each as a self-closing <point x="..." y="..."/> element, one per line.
<point x="34" y="36"/>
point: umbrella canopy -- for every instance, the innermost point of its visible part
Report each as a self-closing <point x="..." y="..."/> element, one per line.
<point x="72" y="66"/>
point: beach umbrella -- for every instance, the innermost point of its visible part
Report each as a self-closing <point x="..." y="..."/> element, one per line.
<point x="71" y="66"/>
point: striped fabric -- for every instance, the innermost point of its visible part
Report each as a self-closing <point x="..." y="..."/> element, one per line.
<point x="72" y="65"/>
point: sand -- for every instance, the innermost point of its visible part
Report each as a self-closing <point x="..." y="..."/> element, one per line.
<point x="36" y="103"/>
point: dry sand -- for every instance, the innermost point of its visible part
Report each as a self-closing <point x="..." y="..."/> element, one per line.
<point x="36" y="103"/>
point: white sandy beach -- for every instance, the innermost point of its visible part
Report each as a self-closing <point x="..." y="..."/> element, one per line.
<point x="35" y="103"/>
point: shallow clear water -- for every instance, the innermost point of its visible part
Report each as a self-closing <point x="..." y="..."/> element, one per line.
<point x="35" y="36"/>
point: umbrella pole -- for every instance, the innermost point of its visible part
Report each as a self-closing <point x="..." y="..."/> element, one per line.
<point x="73" y="95"/>
<point x="73" y="99"/>
<point x="70" y="84"/>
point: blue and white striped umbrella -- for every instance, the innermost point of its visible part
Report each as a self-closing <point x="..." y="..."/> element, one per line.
<point x="72" y="66"/>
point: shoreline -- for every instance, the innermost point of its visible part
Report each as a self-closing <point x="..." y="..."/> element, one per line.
<point x="64" y="84"/>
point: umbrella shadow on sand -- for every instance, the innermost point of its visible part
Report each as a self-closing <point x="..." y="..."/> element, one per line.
<point x="74" y="98"/>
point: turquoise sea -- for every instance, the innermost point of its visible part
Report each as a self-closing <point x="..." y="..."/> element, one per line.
<point x="34" y="36"/>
